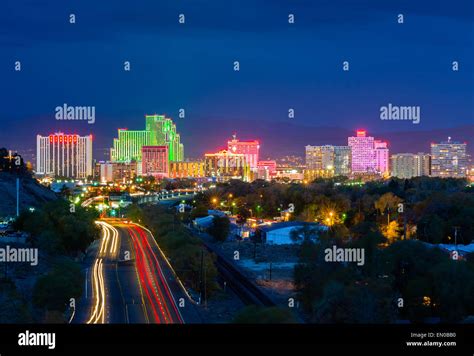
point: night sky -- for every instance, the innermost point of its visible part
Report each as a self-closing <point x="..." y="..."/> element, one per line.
<point x="190" y="66"/>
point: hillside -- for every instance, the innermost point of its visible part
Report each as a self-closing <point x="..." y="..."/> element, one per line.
<point x="32" y="194"/>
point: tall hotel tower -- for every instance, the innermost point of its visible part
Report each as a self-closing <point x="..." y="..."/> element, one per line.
<point x="250" y="150"/>
<point x="363" y="155"/>
<point x="159" y="131"/>
<point x="334" y="160"/>
<point x="448" y="159"/>
<point x="368" y="155"/>
<point x="62" y="155"/>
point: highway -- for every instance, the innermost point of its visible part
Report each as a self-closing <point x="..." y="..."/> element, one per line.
<point x="129" y="279"/>
<point x="160" y="303"/>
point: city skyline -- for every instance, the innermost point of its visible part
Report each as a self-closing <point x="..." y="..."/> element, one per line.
<point x="147" y="152"/>
<point x="398" y="142"/>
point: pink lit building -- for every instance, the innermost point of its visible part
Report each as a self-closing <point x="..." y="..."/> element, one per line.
<point x="155" y="161"/>
<point x="363" y="155"/>
<point x="368" y="155"/>
<point x="381" y="157"/>
<point x="250" y="150"/>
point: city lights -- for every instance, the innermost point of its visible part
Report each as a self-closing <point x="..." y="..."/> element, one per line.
<point x="307" y="208"/>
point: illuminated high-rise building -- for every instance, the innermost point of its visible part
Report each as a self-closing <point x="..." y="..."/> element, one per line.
<point x="448" y="159"/>
<point x="422" y="164"/>
<point x="250" y="149"/>
<point x="408" y="165"/>
<point x="159" y="131"/>
<point x="64" y="155"/>
<point x="381" y="154"/>
<point x="320" y="157"/>
<point x="225" y="165"/>
<point x="363" y="155"/>
<point x="155" y="161"/>
<point x="328" y="160"/>
<point x="342" y="160"/>
<point x="163" y="133"/>
<point x="128" y="145"/>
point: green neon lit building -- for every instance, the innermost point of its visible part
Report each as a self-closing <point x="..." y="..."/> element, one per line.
<point x="159" y="131"/>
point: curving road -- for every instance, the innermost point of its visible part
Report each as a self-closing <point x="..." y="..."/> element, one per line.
<point x="130" y="280"/>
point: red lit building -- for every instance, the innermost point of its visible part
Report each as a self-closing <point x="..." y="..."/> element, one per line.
<point x="155" y="161"/>
<point x="64" y="155"/>
<point x="250" y="150"/>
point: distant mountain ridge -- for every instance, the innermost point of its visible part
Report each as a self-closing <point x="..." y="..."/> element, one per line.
<point x="280" y="138"/>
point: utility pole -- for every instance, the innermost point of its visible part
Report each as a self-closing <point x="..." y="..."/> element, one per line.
<point x="205" y="294"/>
<point x="403" y="208"/>
<point x="456" y="236"/>
<point x="404" y="225"/>
<point x="201" y="279"/>
<point x="18" y="197"/>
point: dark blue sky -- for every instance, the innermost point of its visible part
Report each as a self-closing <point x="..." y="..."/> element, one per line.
<point x="191" y="66"/>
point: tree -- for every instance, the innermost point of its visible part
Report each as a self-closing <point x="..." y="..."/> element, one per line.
<point x="65" y="191"/>
<point x="13" y="308"/>
<point x="392" y="231"/>
<point x="387" y="203"/>
<point x="453" y="289"/>
<point x="134" y="212"/>
<point x="304" y="233"/>
<point x="220" y="228"/>
<point x="199" y="211"/>
<point x="431" y="228"/>
<point x="312" y="272"/>
<point x="187" y="260"/>
<point x="53" y="290"/>
<point x="66" y="231"/>
<point x="355" y="303"/>
<point x="182" y="248"/>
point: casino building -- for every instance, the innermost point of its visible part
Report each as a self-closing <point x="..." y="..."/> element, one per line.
<point x="64" y="155"/>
